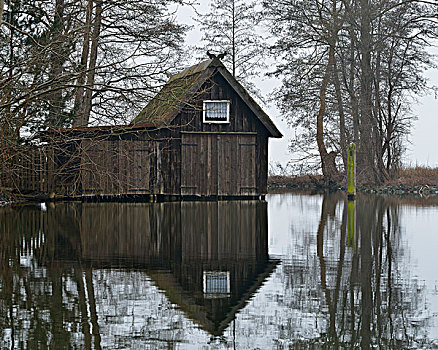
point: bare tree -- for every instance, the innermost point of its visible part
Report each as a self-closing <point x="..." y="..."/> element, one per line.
<point x="355" y="66"/>
<point x="231" y="27"/>
<point x="69" y="62"/>
<point x="62" y="56"/>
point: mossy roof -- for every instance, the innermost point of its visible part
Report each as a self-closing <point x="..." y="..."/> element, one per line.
<point x="178" y="89"/>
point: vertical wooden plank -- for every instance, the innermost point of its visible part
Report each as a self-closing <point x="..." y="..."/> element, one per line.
<point x="175" y="162"/>
<point x="197" y="165"/>
<point x="104" y="165"/>
<point x="31" y="169"/>
<point x="194" y="161"/>
<point x="107" y="158"/>
<point x="150" y="164"/>
<point x="264" y="162"/>
<point x="119" y="168"/>
<point x="82" y="170"/>
<point x="99" y="161"/>
<point x="184" y="164"/>
<point x="202" y="165"/>
<point x="22" y="172"/>
<point x="129" y="163"/>
<point x="139" y="181"/>
<point x="85" y="167"/>
<point x="146" y="165"/>
<point x="43" y="176"/>
<point x="158" y="168"/>
<point x="132" y="166"/>
<point x="142" y="168"/>
<point x="50" y="166"/>
<point x="235" y="165"/>
<point x="210" y="185"/>
<point x="123" y="164"/>
<point x="247" y="150"/>
<point x="192" y="146"/>
<point x="116" y="171"/>
<point x="219" y="165"/>
<point x="40" y="171"/>
<point x="225" y="165"/>
<point x="114" y="167"/>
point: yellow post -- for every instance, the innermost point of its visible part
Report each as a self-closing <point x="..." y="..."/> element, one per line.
<point x="351" y="172"/>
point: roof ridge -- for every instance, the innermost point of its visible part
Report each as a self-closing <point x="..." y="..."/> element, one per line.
<point x="193" y="69"/>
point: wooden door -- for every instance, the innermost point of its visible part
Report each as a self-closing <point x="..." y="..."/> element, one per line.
<point x="218" y="164"/>
<point x="96" y="160"/>
<point x="247" y="160"/>
<point x="134" y="164"/>
<point x="199" y="165"/>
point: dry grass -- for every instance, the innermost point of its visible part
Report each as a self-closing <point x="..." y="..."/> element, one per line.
<point x="406" y="177"/>
<point x="418" y="176"/>
<point x="295" y="181"/>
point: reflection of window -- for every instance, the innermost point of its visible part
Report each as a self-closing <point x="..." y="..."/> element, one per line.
<point x="216" y="111"/>
<point x="216" y="284"/>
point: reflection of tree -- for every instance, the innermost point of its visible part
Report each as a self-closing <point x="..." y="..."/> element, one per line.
<point x="329" y="208"/>
<point x="42" y="299"/>
<point x="369" y="306"/>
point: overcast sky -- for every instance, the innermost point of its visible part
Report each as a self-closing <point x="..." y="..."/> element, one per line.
<point x="423" y="149"/>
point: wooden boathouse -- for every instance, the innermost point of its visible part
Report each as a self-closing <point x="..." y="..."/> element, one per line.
<point x="201" y="136"/>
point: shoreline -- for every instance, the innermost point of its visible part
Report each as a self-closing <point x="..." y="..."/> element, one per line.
<point x="408" y="183"/>
<point x="415" y="182"/>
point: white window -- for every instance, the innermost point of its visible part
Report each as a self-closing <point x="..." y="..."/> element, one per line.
<point x="216" y="284"/>
<point x="216" y="111"/>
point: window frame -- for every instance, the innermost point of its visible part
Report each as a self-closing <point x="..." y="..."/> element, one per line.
<point x="227" y="121"/>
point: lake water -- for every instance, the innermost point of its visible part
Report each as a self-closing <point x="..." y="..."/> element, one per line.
<point x="297" y="271"/>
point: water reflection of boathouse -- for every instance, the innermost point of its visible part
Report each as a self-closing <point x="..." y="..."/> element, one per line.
<point x="207" y="257"/>
<point x="184" y="246"/>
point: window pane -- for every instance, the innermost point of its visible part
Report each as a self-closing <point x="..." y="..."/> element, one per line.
<point x="216" y="111"/>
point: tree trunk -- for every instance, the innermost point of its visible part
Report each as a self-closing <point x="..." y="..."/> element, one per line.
<point x="2" y="6"/>
<point x="234" y="38"/>
<point x="85" y="117"/>
<point x="57" y="59"/>
<point x="342" y="133"/>
<point x="381" y="172"/>
<point x="327" y="159"/>
<point x="366" y="154"/>
<point x="351" y="89"/>
<point x="79" y="94"/>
